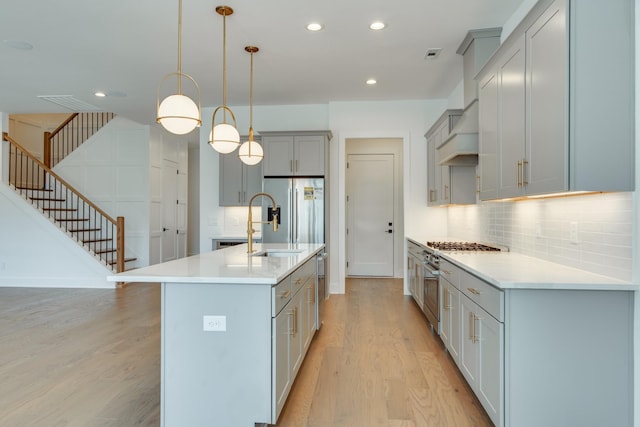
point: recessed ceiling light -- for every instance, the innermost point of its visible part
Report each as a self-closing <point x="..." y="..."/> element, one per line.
<point x="314" y="26"/>
<point x="377" y="25"/>
<point x="371" y="81"/>
<point x="100" y="94"/>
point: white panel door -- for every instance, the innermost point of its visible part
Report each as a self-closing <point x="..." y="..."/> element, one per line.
<point x="370" y="221"/>
<point x="169" y="210"/>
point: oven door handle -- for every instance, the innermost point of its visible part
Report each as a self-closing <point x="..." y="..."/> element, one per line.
<point x="430" y="271"/>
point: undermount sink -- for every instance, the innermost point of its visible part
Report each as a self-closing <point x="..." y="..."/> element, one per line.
<point x="278" y="252"/>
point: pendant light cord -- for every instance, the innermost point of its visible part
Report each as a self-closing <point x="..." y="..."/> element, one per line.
<point x="179" y="47"/>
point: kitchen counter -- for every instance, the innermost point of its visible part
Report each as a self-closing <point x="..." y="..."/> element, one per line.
<point x="231" y="265"/>
<point x="509" y="270"/>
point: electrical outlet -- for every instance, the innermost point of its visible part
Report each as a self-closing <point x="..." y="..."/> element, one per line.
<point x="538" y="230"/>
<point x="214" y="323"/>
<point x="573" y="232"/>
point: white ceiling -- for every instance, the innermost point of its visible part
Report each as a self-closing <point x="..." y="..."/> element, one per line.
<point x="125" y="47"/>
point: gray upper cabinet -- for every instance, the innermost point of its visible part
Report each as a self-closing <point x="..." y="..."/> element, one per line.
<point x="553" y="118"/>
<point x="295" y="154"/>
<point x="238" y="182"/>
<point x="447" y="184"/>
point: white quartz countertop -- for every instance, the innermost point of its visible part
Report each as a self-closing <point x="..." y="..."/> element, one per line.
<point x="229" y="265"/>
<point x="508" y="270"/>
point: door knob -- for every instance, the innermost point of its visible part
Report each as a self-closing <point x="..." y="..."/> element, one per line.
<point x="389" y="231"/>
<point x="164" y="229"/>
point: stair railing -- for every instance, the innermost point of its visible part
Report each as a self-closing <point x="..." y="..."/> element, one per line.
<point x="71" y="134"/>
<point x="69" y="209"/>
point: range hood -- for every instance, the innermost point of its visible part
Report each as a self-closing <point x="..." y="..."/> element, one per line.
<point x="461" y="148"/>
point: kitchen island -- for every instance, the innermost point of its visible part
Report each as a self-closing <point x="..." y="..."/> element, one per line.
<point x="541" y="344"/>
<point x="235" y="329"/>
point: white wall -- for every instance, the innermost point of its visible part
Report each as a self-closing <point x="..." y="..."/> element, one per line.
<point x="112" y="169"/>
<point x="34" y="253"/>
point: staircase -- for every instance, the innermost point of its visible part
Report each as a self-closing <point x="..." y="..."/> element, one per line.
<point x="71" y="134"/>
<point x="100" y="234"/>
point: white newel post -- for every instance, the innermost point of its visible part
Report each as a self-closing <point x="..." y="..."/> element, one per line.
<point x="4" y="148"/>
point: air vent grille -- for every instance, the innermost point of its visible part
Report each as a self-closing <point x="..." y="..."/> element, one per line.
<point x="432" y="53"/>
<point x="69" y="102"/>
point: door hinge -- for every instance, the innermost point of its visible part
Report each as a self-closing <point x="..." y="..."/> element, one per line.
<point x="177" y="202"/>
<point x="347" y="198"/>
<point x="347" y="264"/>
<point x="177" y="171"/>
<point x="347" y="165"/>
<point x="347" y="231"/>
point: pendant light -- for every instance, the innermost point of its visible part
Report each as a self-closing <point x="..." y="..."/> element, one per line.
<point x="178" y="113"/>
<point x="250" y="152"/>
<point x="224" y="137"/>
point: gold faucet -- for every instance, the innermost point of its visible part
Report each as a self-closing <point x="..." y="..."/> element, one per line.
<point x="250" y="222"/>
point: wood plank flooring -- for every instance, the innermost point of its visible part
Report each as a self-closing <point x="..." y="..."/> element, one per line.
<point x="72" y="357"/>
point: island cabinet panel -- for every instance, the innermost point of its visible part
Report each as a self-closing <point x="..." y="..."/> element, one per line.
<point x="571" y="353"/>
<point x="242" y="373"/>
<point x="215" y="378"/>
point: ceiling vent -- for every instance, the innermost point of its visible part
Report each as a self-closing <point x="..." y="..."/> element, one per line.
<point x="432" y="53"/>
<point x="70" y="103"/>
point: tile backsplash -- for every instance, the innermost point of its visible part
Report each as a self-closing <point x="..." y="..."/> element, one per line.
<point x="590" y="232"/>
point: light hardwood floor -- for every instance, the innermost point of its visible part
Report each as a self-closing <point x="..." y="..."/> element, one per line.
<point x="90" y="358"/>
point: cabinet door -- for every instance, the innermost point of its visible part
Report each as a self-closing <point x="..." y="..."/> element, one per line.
<point x="231" y="177"/>
<point x="252" y="181"/>
<point x="490" y="388"/>
<point x="281" y="340"/>
<point x="309" y="312"/>
<point x="546" y="89"/>
<point x="296" y="338"/>
<point x="511" y="98"/>
<point x="488" y="136"/>
<point x="308" y="155"/>
<point x="449" y="318"/>
<point x="468" y="347"/>
<point x="278" y="155"/>
<point x="432" y="185"/>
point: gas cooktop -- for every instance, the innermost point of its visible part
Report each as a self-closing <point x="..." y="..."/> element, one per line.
<point x="462" y="246"/>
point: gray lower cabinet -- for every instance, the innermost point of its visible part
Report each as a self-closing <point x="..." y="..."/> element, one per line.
<point x="472" y="327"/>
<point x="543" y="103"/>
<point x="293" y="328"/>
<point x="541" y="357"/>
<point x="241" y="375"/>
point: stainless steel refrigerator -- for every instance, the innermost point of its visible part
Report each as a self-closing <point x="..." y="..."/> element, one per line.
<point x="302" y="220"/>
<point x="302" y="210"/>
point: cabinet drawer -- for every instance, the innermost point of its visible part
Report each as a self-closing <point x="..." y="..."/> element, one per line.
<point x="301" y="275"/>
<point x="450" y="272"/>
<point x="280" y="295"/>
<point x="486" y="296"/>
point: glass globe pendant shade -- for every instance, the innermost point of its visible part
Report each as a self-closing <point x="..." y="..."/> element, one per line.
<point x="178" y="114"/>
<point x="224" y="138"/>
<point x="250" y="153"/>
